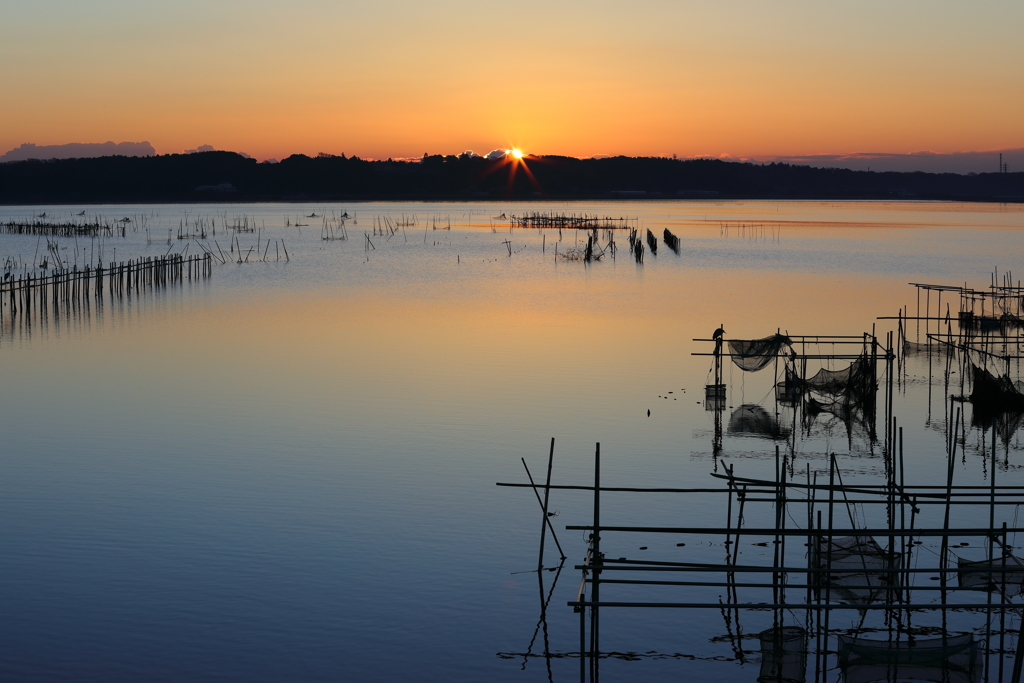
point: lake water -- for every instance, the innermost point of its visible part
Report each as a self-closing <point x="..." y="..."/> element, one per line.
<point x="286" y="471"/>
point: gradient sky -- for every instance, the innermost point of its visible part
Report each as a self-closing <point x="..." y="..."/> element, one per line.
<point x="396" y="78"/>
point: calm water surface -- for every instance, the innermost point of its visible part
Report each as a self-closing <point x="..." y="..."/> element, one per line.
<point x="286" y="471"/>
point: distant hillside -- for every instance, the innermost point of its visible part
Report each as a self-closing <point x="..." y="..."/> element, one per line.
<point x="226" y="176"/>
<point x="78" y="150"/>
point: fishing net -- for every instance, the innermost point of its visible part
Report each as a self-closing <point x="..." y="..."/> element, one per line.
<point x="1004" y="575"/>
<point x="755" y="354"/>
<point x="783" y="655"/>
<point x="1006" y="423"/>
<point x="753" y="420"/>
<point x="936" y="347"/>
<point x="854" y="563"/>
<point x="942" y="660"/>
<point x="850" y="414"/>
<point x="1008" y="307"/>
<point x="840" y="409"/>
<point x="1010" y="321"/>
<point x="848" y="394"/>
<point x="995" y="394"/>
<point x="859" y="377"/>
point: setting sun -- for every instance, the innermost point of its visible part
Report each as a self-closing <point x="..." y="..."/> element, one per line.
<point x="517" y="153"/>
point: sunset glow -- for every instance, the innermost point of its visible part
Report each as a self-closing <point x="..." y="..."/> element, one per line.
<point x="785" y="79"/>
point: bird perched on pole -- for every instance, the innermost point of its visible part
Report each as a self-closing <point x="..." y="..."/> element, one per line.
<point x="718" y="333"/>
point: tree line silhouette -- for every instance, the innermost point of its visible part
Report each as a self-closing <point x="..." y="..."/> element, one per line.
<point x="226" y="176"/>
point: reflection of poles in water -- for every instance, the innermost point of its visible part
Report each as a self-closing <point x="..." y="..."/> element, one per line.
<point x="718" y="337"/>
<point x="735" y="639"/>
<point x="595" y="582"/>
<point x="542" y="621"/>
<point x="714" y="394"/>
<point x="928" y="420"/>
<point x="790" y="388"/>
<point x="944" y="547"/>
<point x="731" y="551"/>
<point x="718" y="405"/>
<point x="543" y="616"/>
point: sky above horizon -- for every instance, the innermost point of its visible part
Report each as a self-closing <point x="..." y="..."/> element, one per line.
<point x="399" y="78"/>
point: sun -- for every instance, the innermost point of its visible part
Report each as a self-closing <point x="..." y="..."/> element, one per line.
<point x="513" y="160"/>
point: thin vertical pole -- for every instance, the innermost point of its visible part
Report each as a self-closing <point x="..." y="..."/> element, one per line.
<point x="1019" y="659"/>
<point x="826" y="580"/>
<point x="781" y="540"/>
<point x="818" y="580"/>
<point x="918" y="337"/>
<point x="583" y="641"/>
<point x="943" y="558"/>
<point x="731" y="576"/>
<point x="544" y="520"/>
<point x="928" y="308"/>
<point x="991" y="561"/>
<point x="992" y="487"/>
<point x="810" y="537"/>
<point x="533" y="485"/>
<point x="903" y="522"/>
<point x="728" y="513"/>
<point x="779" y="513"/>
<point x="1002" y="613"/>
<point x="595" y="590"/>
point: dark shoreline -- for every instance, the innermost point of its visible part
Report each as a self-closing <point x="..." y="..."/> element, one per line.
<point x="513" y="200"/>
<point x="225" y="177"/>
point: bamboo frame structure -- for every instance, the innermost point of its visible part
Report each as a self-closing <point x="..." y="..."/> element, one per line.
<point x="891" y="589"/>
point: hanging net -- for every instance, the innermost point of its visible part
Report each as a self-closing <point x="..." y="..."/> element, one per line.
<point x="840" y="409"/>
<point x="854" y="563"/>
<point x="755" y="354"/>
<point x="849" y="394"/>
<point x="995" y="394"/>
<point x="1010" y="321"/>
<point x="935" y="347"/>
<point x="1003" y="575"/>
<point x="942" y="660"/>
<point x="783" y="655"/>
<point x="1008" y="307"/>
<point x="858" y="377"/>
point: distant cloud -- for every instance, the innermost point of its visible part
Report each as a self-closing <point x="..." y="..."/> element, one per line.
<point x="497" y="153"/>
<point x="928" y="162"/>
<point x="79" y="150"/>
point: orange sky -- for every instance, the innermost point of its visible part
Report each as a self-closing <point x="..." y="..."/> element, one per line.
<point x="400" y="78"/>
